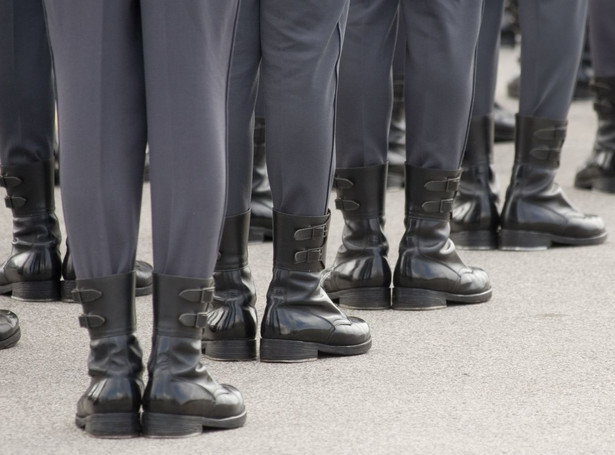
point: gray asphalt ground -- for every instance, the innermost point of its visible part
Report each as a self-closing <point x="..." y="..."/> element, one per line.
<point x="529" y="372"/>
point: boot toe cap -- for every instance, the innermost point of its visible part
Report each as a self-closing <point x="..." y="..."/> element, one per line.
<point x="356" y="331"/>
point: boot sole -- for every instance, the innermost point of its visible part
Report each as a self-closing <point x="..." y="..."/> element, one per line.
<point x="475" y="240"/>
<point x="363" y="298"/>
<point x="260" y="234"/>
<point x="511" y="240"/>
<point x="157" y="425"/>
<point x="413" y="299"/>
<point x="33" y="291"/>
<point x="603" y="184"/>
<point x="291" y="351"/>
<point x="111" y="425"/>
<point x="12" y="340"/>
<point x="230" y="350"/>
<point x="68" y="286"/>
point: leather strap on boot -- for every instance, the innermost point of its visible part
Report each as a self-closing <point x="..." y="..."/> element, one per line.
<point x="430" y="192"/>
<point x="233" y="252"/>
<point x="361" y="191"/>
<point x="539" y="141"/>
<point x="479" y="147"/>
<point x="29" y="187"/>
<point x="108" y="305"/>
<point x="300" y="242"/>
<point x="180" y="305"/>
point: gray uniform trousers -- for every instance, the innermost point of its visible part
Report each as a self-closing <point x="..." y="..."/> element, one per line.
<point x="26" y="94"/>
<point x="297" y="46"/>
<point x="552" y="32"/>
<point x="602" y="36"/>
<point x="439" y="68"/>
<point x="130" y="72"/>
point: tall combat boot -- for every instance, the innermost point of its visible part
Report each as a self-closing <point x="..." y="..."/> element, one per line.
<point x="143" y="273"/>
<point x="261" y="202"/>
<point x="181" y="397"/>
<point x="111" y="404"/>
<point x="396" y="155"/>
<point x="230" y="332"/>
<point x="475" y="220"/>
<point x="536" y="212"/>
<point x="32" y="272"/>
<point x="361" y="277"/>
<point x="9" y="329"/>
<point x="429" y="272"/>
<point x="599" y="170"/>
<point x="300" y="320"/>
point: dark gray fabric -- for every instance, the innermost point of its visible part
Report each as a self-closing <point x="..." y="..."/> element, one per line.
<point x="26" y="95"/>
<point x="300" y="45"/>
<point x="133" y="71"/>
<point x="487" y="57"/>
<point x="441" y="43"/>
<point x="552" y="32"/>
<point x="399" y="57"/>
<point x="602" y="37"/>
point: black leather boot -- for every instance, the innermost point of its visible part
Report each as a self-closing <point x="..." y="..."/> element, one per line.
<point x="230" y="332"/>
<point x="396" y="155"/>
<point x="9" y="329"/>
<point x="181" y="397"/>
<point x="429" y="272"/>
<point x="360" y="277"/>
<point x="143" y="273"/>
<point x="475" y="220"/>
<point x="32" y="272"/>
<point x="536" y="212"/>
<point x="599" y="170"/>
<point x="261" y="203"/>
<point x="300" y="320"/>
<point x="111" y="404"/>
<point x="503" y="124"/>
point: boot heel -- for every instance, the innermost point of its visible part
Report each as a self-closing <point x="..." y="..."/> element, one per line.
<point x="523" y="240"/>
<point x="287" y="351"/>
<point x="171" y="425"/>
<point x="66" y="291"/>
<point x="36" y="291"/>
<point x="111" y="425"/>
<point x="365" y="299"/>
<point x="417" y="299"/>
<point x="475" y="240"/>
<point x="230" y="350"/>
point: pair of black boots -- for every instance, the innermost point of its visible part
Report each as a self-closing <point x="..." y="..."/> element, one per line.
<point x="536" y="212"/>
<point x="34" y="270"/>
<point x="300" y="321"/>
<point x="428" y="273"/>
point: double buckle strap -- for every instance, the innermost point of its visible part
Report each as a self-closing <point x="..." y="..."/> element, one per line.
<point x="347" y="205"/>
<point x="309" y="256"/>
<point x="9" y="181"/>
<point x="318" y="232"/>
<point x="448" y="185"/>
<point x="441" y="206"/>
<point x="196" y="320"/>
<point x="203" y="295"/>
<point x="91" y="321"/>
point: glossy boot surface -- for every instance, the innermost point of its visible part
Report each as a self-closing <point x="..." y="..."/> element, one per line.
<point x="396" y="155"/>
<point x="230" y="332"/>
<point x="300" y="320"/>
<point x="32" y="271"/>
<point x="599" y="170"/>
<point x="181" y="398"/>
<point x="503" y="124"/>
<point x="261" y="202"/>
<point x="429" y="273"/>
<point x="536" y="212"/>
<point x="360" y="277"/>
<point x="476" y="218"/>
<point x="110" y="406"/>
<point x="143" y="274"/>
<point x="9" y="329"/>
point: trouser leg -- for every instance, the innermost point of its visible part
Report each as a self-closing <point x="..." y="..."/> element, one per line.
<point x="26" y="106"/>
<point x="602" y="36"/>
<point x="365" y="92"/>
<point x="442" y="37"/>
<point x="550" y="53"/>
<point x="487" y="57"/>
<point x="299" y="90"/>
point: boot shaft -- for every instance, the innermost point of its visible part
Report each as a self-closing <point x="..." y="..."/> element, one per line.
<point x="539" y="141"/>
<point x="604" y="105"/>
<point x="479" y="146"/>
<point x="29" y="188"/>
<point x="430" y="192"/>
<point x="233" y="251"/>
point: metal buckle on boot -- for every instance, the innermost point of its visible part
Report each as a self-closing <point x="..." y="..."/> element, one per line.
<point x="308" y="256"/>
<point x="347" y="205"/>
<point x="441" y="206"/>
<point x="198" y="320"/>
<point x="14" y="202"/>
<point x="9" y="181"/>
<point x="318" y="232"/>
<point x="341" y="183"/>
<point x="203" y="295"/>
<point x="86" y="295"/>
<point x="91" y="321"/>
<point x="447" y="185"/>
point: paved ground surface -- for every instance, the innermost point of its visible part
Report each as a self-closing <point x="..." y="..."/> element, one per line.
<point x="532" y="371"/>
